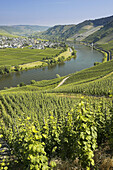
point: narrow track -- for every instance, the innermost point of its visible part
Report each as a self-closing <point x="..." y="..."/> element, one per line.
<point x="62" y="82"/>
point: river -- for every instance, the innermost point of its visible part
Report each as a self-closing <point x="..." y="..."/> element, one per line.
<point x="86" y="57"/>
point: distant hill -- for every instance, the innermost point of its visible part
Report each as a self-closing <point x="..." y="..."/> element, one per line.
<point x="5" y="33"/>
<point x="78" y="32"/>
<point x="21" y="30"/>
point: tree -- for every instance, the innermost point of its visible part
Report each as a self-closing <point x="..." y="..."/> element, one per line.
<point x="17" y="68"/>
<point x="33" y="81"/>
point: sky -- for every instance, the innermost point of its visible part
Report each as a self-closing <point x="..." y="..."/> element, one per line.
<point x="52" y="12"/>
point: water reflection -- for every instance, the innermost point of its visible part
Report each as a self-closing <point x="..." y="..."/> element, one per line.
<point x="18" y="73"/>
<point x="43" y="68"/>
<point x="51" y="67"/>
<point x="61" y="64"/>
<point x="6" y="76"/>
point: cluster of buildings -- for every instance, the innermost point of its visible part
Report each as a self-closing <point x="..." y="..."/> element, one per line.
<point x="44" y="44"/>
<point x="11" y="42"/>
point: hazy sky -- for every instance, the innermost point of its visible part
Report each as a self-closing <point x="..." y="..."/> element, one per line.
<point x="52" y="12"/>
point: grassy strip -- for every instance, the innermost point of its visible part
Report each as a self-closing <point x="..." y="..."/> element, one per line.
<point x="39" y="39"/>
<point x="66" y="54"/>
<point x="32" y="65"/>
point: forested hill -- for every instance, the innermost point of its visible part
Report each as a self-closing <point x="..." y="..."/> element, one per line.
<point x="102" y="21"/>
<point x="82" y="29"/>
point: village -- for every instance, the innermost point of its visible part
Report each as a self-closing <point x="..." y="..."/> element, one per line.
<point x="19" y="42"/>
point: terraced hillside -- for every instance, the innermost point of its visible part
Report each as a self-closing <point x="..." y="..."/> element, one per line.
<point x="85" y="33"/>
<point x="93" y="81"/>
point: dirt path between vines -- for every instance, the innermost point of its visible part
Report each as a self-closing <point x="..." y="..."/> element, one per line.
<point x="62" y="82"/>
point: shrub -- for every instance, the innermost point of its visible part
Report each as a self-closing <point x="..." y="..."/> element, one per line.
<point x="96" y="63"/>
<point x="22" y="84"/>
<point x="57" y="75"/>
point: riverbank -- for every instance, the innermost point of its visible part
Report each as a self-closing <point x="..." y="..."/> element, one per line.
<point x="38" y="64"/>
<point x="105" y="59"/>
<point x="105" y="53"/>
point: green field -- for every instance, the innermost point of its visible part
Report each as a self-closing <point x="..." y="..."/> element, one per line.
<point x="21" y="56"/>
